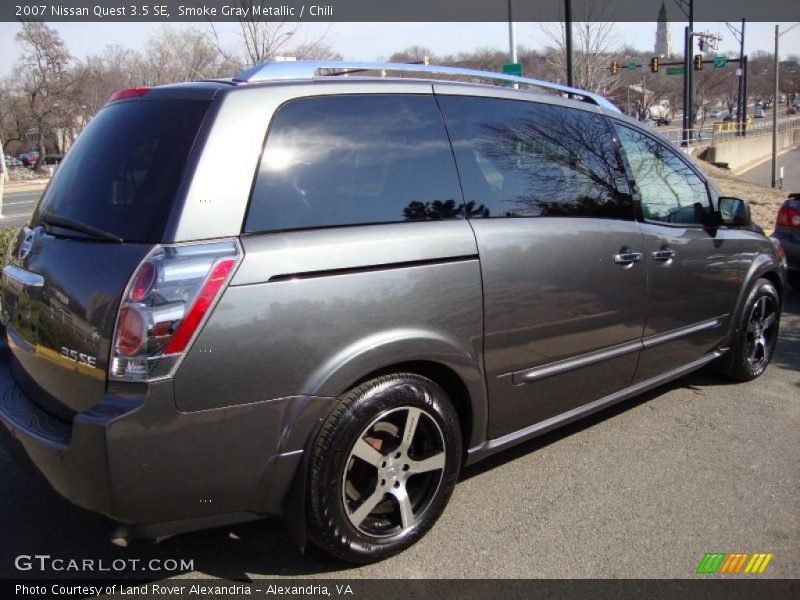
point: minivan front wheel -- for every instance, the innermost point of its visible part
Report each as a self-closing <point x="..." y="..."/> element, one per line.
<point x="382" y="468"/>
<point x="757" y="332"/>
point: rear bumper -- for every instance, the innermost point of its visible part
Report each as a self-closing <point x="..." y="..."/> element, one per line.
<point x="71" y="457"/>
<point x="138" y="460"/>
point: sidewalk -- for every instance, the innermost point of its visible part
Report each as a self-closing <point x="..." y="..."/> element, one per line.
<point x="27" y="185"/>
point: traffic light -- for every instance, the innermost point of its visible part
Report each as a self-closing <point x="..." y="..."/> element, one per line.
<point x="614" y="67"/>
<point x="654" y="64"/>
<point x="698" y="62"/>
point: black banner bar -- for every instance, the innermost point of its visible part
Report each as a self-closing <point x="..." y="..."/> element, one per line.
<point x="387" y="10"/>
<point x="710" y="588"/>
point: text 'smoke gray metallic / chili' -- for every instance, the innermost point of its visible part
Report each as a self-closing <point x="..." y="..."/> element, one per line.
<point x="301" y="294"/>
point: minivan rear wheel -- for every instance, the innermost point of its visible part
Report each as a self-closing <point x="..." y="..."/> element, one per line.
<point x="382" y="468"/>
<point x="757" y="332"/>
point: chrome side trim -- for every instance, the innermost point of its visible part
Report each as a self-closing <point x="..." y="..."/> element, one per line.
<point x="568" y="364"/>
<point x="590" y="358"/>
<point x="490" y="447"/>
<point x="308" y="69"/>
<point x="662" y="338"/>
<point x="22" y="276"/>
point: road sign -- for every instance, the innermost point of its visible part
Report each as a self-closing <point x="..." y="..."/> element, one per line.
<point x="631" y="66"/>
<point x="720" y="62"/>
<point x="512" y="69"/>
<point x="675" y="70"/>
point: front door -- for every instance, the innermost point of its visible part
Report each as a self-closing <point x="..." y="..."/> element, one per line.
<point x="694" y="271"/>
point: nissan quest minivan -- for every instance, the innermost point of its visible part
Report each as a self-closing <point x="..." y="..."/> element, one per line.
<point x="302" y="294"/>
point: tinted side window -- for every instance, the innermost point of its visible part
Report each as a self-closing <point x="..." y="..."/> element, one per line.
<point x="346" y="160"/>
<point x="526" y="159"/>
<point x="671" y="192"/>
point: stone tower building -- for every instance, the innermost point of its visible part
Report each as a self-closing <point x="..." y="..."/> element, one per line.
<point x="663" y="46"/>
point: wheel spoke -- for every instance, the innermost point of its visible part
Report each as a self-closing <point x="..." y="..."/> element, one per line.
<point x="411" y="427"/>
<point x="753" y="351"/>
<point x="751" y="327"/>
<point x="404" y="503"/>
<point x="767" y="322"/>
<point x="762" y="307"/>
<point x="362" y="512"/>
<point x="433" y="463"/>
<point x="367" y="453"/>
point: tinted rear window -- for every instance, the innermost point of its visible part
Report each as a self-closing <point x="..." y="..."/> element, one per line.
<point x="349" y="160"/>
<point x="122" y="173"/>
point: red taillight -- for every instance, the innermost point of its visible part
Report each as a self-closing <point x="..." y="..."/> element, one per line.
<point x="165" y="304"/>
<point x="190" y="322"/>
<point x="129" y="93"/>
<point x="144" y="282"/>
<point x="788" y="217"/>
<point x="131" y="332"/>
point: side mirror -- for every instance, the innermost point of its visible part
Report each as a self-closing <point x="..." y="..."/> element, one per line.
<point x="734" y="212"/>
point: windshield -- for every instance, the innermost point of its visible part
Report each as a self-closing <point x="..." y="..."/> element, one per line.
<point x="121" y="175"/>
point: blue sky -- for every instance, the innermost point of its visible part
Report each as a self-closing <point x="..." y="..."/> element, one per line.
<point x="370" y="41"/>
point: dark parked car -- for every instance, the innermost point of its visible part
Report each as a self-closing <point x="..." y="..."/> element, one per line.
<point x="388" y="280"/>
<point x="787" y="231"/>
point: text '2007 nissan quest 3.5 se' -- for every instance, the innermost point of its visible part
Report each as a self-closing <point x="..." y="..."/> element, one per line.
<point x="297" y="294"/>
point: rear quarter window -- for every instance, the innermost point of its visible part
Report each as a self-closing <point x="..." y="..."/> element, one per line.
<point x="355" y="159"/>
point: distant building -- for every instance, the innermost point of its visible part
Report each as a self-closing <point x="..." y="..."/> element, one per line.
<point x="663" y="46"/>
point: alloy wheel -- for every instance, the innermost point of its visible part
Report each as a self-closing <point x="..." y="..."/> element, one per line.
<point x="761" y="331"/>
<point x="393" y="472"/>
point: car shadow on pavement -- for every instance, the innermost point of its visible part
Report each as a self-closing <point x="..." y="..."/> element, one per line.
<point x="35" y="520"/>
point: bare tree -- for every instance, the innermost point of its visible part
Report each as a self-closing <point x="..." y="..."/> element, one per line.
<point x="594" y="44"/>
<point x="260" y="41"/>
<point x="46" y="83"/>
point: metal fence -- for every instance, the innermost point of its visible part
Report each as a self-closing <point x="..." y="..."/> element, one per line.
<point x="721" y="132"/>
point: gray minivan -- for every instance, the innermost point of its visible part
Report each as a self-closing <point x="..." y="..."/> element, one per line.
<point x="302" y="294"/>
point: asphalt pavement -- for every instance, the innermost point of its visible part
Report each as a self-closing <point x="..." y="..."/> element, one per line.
<point x="642" y="490"/>
<point x="18" y="205"/>
<point x="762" y="172"/>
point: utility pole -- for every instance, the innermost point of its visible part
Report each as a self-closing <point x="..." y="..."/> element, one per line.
<point x="740" y="94"/>
<point x="775" y="108"/>
<point x="687" y="7"/>
<point x="775" y="117"/>
<point x="512" y="43"/>
<point x="742" y="99"/>
<point x="568" y="31"/>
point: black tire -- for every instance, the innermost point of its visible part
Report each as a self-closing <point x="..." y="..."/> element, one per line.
<point x="756" y="332"/>
<point x="354" y="504"/>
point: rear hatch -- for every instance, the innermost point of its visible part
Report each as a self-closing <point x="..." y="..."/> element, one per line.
<point x="105" y="208"/>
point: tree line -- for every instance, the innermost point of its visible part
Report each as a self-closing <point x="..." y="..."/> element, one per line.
<point x="50" y="95"/>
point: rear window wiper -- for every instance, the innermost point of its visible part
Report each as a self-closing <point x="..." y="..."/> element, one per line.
<point x="72" y="224"/>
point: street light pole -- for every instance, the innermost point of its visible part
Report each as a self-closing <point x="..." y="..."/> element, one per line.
<point x="775" y="108"/>
<point x="775" y="117"/>
<point x="568" y="28"/>
<point x="512" y="44"/>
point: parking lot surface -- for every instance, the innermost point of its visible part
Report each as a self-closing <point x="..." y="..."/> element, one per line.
<point x="642" y="490"/>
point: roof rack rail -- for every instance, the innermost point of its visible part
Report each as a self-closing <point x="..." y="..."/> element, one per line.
<point x="308" y="69"/>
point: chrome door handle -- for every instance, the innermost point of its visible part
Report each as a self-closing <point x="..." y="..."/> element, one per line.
<point x="627" y="258"/>
<point x="665" y="255"/>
